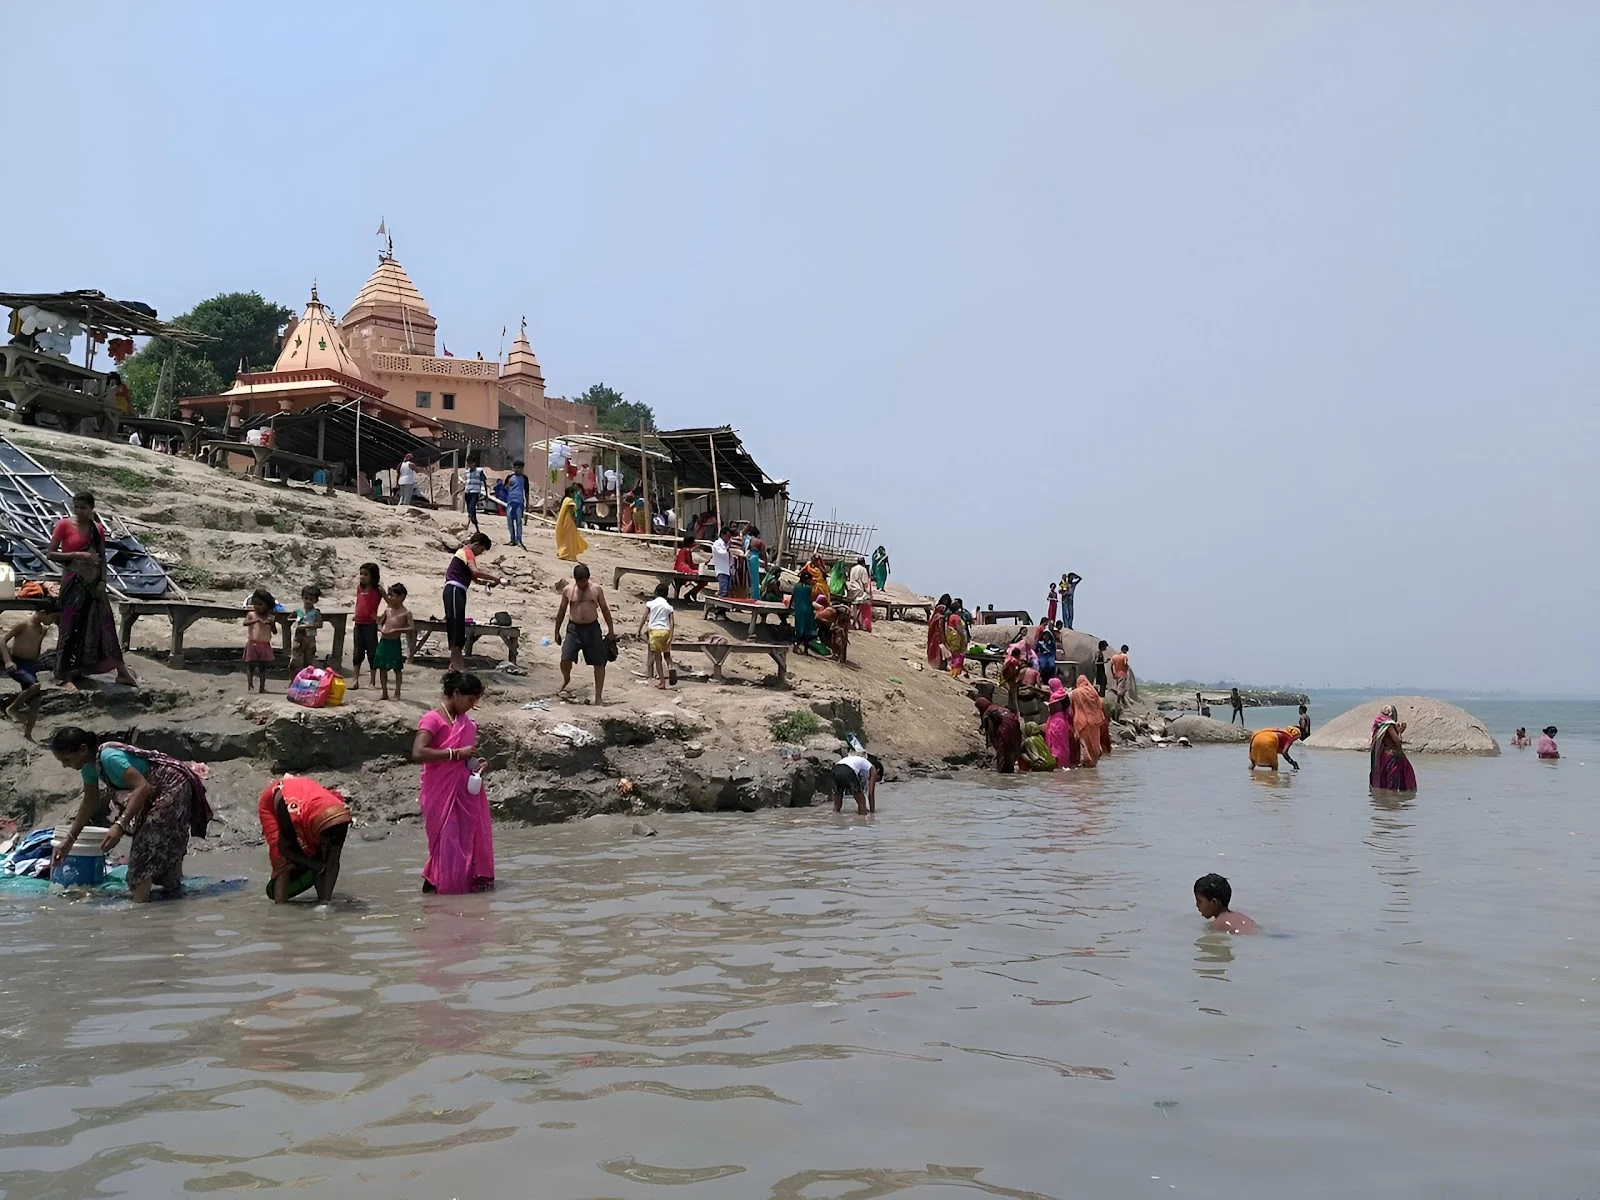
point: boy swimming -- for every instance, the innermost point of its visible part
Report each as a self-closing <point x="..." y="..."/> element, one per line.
<point x="1212" y="894"/>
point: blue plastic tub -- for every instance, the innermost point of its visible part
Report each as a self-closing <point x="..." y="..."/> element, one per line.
<point x="85" y="864"/>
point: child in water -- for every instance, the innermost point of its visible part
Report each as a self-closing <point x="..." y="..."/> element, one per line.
<point x="1212" y="894"/>
<point x="20" y="651"/>
<point x="259" y="623"/>
<point x="392" y="625"/>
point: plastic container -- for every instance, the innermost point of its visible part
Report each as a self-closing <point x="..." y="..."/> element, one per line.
<point x="85" y="863"/>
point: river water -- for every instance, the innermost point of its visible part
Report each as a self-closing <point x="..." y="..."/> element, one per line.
<point x="995" y="987"/>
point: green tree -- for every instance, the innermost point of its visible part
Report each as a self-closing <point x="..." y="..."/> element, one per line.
<point x="246" y="327"/>
<point x="613" y="412"/>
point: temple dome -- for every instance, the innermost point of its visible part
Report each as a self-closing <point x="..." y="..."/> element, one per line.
<point x="315" y="344"/>
<point x="389" y="285"/>
<point x="522" y="360"/>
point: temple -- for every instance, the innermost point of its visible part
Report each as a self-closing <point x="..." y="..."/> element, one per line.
<point x="314" y="367"/>
<point x="385" y="353"/>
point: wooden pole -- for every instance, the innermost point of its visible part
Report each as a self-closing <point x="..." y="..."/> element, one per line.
<point x="716" y="488"/>
<point x="783" y="529"/>
<point x="617" y="455"/>
<point x="644" y="482"/>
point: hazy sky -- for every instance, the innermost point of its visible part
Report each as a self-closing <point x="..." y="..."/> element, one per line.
<point x="1277" y="322"/>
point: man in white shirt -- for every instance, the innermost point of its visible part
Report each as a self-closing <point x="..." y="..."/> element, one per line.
<point x="477" y="483"/>
<point x="407" y="482"/>
<point x="857" y="774"/>
<point x="658" y="615"/>
<point x="722" y="564"/>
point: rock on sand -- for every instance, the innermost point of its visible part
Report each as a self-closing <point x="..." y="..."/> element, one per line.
<point x="1206" y="729"/>
<point x="1432" y="727"/>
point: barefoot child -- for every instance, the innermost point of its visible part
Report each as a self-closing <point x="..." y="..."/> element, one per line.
<point x="369" y="597"/>
<point x="20" y="651"/>
<point x="307" y="620"/>
<point x="658" y="615"/>
<point x="392" y="626"/>
<point x="1212" y="893"/>
<point x="259" y="624"/>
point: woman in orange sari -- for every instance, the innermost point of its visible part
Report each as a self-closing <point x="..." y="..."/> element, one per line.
<point x="1089" y="722"/>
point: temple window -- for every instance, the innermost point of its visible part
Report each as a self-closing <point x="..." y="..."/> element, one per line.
<point x="447" y="400"/>
<point x="424" y="399"/>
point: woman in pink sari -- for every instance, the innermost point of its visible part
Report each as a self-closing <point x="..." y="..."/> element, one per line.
<point x="460" y="840"/>
<point x="1058" y="728"/>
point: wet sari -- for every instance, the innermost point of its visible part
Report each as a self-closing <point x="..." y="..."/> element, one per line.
<point x="1391" y="770"/>
<point x="1058" y="733"/>
<point x="1090" y="725"/>
<point x="1003" y="731"/>
<point x="460" y="839"/>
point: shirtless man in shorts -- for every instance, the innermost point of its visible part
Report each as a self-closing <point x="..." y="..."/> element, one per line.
<point x="584" y="603"/>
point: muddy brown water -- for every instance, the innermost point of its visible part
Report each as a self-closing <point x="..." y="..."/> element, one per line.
<point x="993" y="988"/>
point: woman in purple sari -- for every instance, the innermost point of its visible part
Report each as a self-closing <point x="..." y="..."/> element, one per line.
<point x="456" y="818"/>
<point x="1391" y="769"/>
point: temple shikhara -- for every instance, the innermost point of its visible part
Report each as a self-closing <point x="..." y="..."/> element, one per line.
<point x="383" y="355"/>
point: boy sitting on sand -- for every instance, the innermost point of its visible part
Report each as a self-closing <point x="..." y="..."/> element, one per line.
<point x="1211" y="896"/>
<point x="20" y="651"/>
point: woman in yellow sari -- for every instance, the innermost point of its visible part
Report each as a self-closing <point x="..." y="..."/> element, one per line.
<point x="1267" y="744"/>
<point x="570" y="544"/>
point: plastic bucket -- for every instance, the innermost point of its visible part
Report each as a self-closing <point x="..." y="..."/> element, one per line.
<point x="85" y="863"/>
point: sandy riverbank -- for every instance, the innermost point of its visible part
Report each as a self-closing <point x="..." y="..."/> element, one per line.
<point x="703" y="745"/>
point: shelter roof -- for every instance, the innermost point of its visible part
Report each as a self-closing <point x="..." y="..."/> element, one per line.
<point x="691" y="451"/>
<point x="99" y="311"/>
<point x="383" y="444"/>
<point x="315" y="344"/>
<point x="594" y="441"/>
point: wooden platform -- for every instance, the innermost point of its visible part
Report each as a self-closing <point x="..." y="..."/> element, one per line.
<point x="896" y="610"/>
<point x="755" y="611"/>
<point x="673" y="579"/>
<point x="719" y="651"/>
<point x="182" y="614"/>
<point x="510" y="635"/>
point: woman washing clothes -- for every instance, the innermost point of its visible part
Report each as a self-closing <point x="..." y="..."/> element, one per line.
<point x="1390" y="768"/>
<point x="87" y="641"/>
<point x="460" y="839"/>
<point x="1002" y="731"/>
<point x="164" y="801"/>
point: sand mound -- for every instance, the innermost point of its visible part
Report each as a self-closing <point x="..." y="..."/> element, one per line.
<point x="1432" y="727"/>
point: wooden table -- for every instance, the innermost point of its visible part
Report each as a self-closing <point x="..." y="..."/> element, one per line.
<point x="895" y="610"/>
<point x="997" y="616"/>
<point x="719" y="651"/>
<point x="757" y="611"/>
<point x="184" y="614"/>
<point x="510" y="635"/>
<point x="673" y="579"/>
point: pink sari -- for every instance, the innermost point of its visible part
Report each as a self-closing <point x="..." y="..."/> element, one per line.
<point x="460" y="840"/>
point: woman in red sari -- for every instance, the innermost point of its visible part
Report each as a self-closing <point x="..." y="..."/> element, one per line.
<point x="87" y="631"/>
<point x="937" y="623"/>
<point x="1391" y="770"/>
<point x="1003" y="731"/>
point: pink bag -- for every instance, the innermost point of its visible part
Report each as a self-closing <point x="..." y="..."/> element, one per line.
<point x="310" y="688"/>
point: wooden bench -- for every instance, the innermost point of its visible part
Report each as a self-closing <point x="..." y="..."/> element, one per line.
<point x="755" y="611"/>
<point x="675" y="580"/>
<point x="510" y="635"/>
<point x="184" y="614"/>
<point x="896" y="610"/>
<point x="719" y="651"/>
